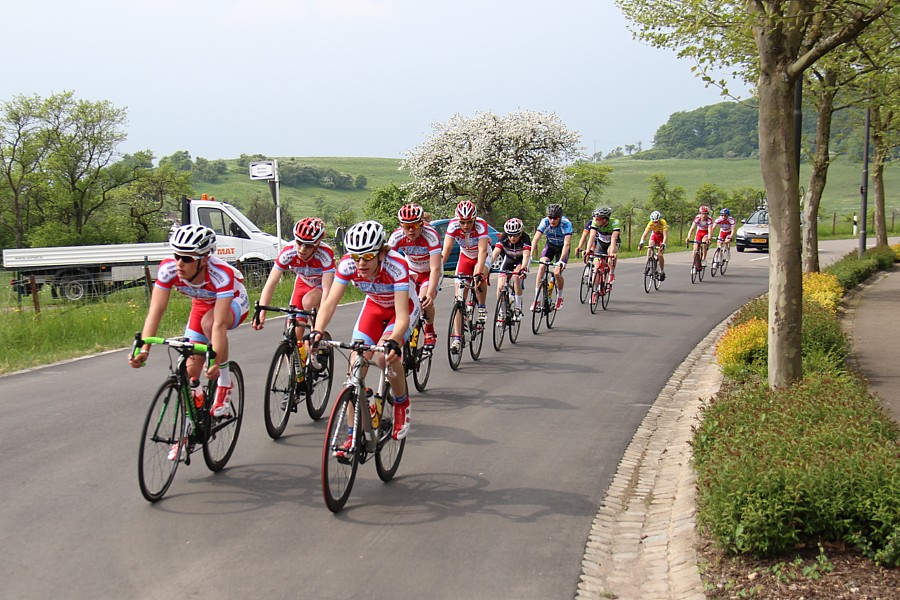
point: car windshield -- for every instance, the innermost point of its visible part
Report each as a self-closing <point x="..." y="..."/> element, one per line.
<point x="760" y="217"/>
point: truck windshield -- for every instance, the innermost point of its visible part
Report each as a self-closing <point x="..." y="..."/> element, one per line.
<point x="239" y="216"/>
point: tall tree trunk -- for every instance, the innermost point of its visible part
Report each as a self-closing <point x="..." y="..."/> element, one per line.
<point x="779" y="171"/>
<point x="880" y="155"/>
<point x="820" y="162"/>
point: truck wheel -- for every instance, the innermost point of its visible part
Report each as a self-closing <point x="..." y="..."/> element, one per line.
<point x="74" y="286"/>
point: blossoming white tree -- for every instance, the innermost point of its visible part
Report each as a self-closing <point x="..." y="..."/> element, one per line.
<point x="489" y="157"/>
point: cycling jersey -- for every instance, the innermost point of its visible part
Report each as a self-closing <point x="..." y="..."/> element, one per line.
<point x="468" y="241"/>
<point x="725" y="224"/>
<point x="418" y="252"/>
<point x="703" y="222"/>
<point x="604" y="232"/>
<point x="511" y="253"/>
<point x="556" y="236"/>
<point x="657" y="226"/>
<point x="308" y="271"/>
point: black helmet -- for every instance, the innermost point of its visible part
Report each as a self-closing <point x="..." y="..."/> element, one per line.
<point x="554" y="210"/>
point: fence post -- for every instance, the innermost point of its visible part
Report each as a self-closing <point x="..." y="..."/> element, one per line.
<point x="834" y="223"/>
<point x="147" y="278"/>
<point x="34" y="294"/>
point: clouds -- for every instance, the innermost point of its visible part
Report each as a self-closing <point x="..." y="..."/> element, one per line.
<point x="344" y="77"/>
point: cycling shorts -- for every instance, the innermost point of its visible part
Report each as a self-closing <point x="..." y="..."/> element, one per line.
<point x="508" y="263"/>
<point x="240" y="308"/>
<point x="725" y="235"/>
<point x="603" y="247"/>
<point x="656" y="239"/>
<point x="301" y="288"/>
<point x="701" y="235"/>
<point x="554" y="253"/>
<point x="376" y="322"/>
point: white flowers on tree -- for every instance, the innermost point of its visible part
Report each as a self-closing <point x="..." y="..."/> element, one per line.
<point x="487" y="156"/>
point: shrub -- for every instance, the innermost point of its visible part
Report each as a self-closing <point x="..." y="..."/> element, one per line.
<point x="744" y="345"/>
<point x="853" y="270"/>
<point x="823" y="289"/>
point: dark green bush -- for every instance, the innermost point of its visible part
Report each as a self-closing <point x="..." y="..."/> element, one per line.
<point x="853" y="270"/>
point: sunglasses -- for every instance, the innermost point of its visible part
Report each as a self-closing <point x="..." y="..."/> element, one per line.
<point x="554" y="218"/>
<point x="366" y="257"/>
<point x="185" y="259"/>
<point x="305" y="245"/>
<point x="411" y="226"/>
<point x="466" y="221"/>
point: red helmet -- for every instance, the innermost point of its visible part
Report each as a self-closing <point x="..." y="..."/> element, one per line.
<point x="466" y="210"/>
<point x="410" y="213"/>
<point x="310" y="230"/>
<point x="704" y="210"/>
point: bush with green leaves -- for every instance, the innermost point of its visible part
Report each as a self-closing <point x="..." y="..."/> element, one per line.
<point x="853" y="269"/>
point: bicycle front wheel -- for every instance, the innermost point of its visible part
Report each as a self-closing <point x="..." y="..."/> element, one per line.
<point x="163" y="429"/>
<point x="223" y="433"/>
<point x="421" y="361"/>
<point x="586" y="283"/>
<point x="726" y="256"/>
<point x="607" y="290"/>
<point x="501" y="314"/>
<point x="339" y="463"/>
<point x="716" y="262"/>
<point x="537" y="313"/>
<point x="390" y="451"/>
<point x="318" y="381"/>
<point x="551" y="306"/>
<point x="281" y="385"/>
<point x="695" y="268"/>
<point x="649" y="274"/>
<point x="456" y="313"/>
<point x="515" y="323"/>
<point x="476" y="339"/>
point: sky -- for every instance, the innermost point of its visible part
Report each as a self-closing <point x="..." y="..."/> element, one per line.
<point x="366" y="78"/>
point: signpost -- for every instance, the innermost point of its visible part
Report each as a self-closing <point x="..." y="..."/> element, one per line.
<point x="268" y="170"/>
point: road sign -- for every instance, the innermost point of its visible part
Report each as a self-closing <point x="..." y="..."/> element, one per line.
<point x="262" y="170"/>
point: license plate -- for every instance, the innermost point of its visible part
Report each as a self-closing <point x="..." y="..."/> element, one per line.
<point x="759" y="241"/>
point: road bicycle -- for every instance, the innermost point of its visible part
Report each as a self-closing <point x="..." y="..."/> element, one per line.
<point x="295" y="375"/>
<point x="697" y="266"/>
<point x="546" y="300"/>
<point x="587" y="279"/>
<point x="358" y="429"/>
<point x="417" y="357"/>
<point x="602" y="289"/>
<point x="651" y="269"/>
<point x="506" y="317"/>
<point x="720" y="260"/>
<point x="179" y="420"/>
<point x="464" y="320"/>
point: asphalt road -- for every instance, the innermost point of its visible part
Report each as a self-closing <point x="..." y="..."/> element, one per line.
<point x="506" y="464"/>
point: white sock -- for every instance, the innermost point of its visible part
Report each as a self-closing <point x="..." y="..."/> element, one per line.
<point x="224" y="375"/>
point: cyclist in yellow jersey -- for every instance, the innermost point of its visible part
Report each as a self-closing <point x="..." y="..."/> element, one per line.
<point x="659" y="235"/>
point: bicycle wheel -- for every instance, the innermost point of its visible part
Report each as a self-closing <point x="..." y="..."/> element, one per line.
<point x="607" y="290"/>
<point x="390" y="451"/>
<point x="339" y="467"/>
<point x="280" y="396"/>
<point x="595" y="295"/>
<point x="515" y="323"/>
<point x="455" y="357"/>
<point x="656" y="279"/>
<point x="700" y="268"/>
<point x="222" y="435"/>
<point x="716" y="262"/>
<point x="726" y="256"/>
<point x="585" y="290"/>
<point x="318" y="381"/>
<point x="421" y="361"/>
<point x="476" y="331"/>
<point x="537" y="315"/>
<point x="551" y="306"/>
<point x="695" y="268"/>
<point x="649" y="273"/>
<point x="163" y="427"/>
<point x="501" y="316"/>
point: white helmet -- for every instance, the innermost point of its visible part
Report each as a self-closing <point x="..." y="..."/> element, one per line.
<point x="196" y="240"/>
<point x="367" y="236"/>
<point x="655" y="216"/>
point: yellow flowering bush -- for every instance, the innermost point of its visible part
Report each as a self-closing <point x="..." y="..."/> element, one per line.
<point x="743" y="344"/>
<point x="896" y="249"/>
<point x="824" y="289"/>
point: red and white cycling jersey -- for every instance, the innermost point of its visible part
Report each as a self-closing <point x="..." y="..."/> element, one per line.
<point x="308" y="271"/>
<point x="468" y="241"/>
<point x="725" y="224"/>
<point x="418" y="252"/>
<point x="220" y="280"/>
<point x="393" y="276"/>
<point x="703" y="222"/>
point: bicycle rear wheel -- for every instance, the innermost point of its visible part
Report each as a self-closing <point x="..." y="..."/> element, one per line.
<point x="390" y="451"/>
<point x="163" y="428"/>
<point x="455" y="357"/>
<point x="501" y="315"/>
<point x="280" y="398"/>
<point x="222" y="435"/>
<point x="550" y="307"/>
<point x="537" y="315"/>
<point x="338" y="464"/>
<point x="318" y="381"/>
<point x="585" y="290"/>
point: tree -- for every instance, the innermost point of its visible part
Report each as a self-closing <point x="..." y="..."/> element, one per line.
<point x="150" y="194"/>
<point x="180" y="160"/>
<point x="583" y="189"/>
<point x="776" y="41"/>
<point x="384" y="203"/>
<point x="487" y="158"/>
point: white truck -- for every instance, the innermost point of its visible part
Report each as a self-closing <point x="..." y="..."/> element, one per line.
<point x="74" y="272"/>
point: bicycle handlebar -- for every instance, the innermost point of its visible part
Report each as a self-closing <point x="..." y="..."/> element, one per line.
<point x="356" y="345"/>
<point x="181" y="344"/>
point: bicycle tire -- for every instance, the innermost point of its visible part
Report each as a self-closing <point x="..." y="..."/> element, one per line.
<point x="551" y="306"/>
<point x="476" y="331"/>
<point x="607" y="290"/>
<point x="716" y="262"/>
<point x="339" y="473"/>
<point x="222" y="434"/>
<point x="162" y="428"/>
<point x="595" y="296"/>
<point x="695" y="267"/>
<point x="656" y="280"/>
<point x="726" y="256"/>
<point x="456" y="357"/>
<point x="700" y="271"/>
<point x="421" y="361"/>
<point x="514" y="326"/>
<point x="586" y="282"/>
<point x="318" y="382"/>
<point x="280" y="398"/>
<point x="390" y="451"/>
<point x="500" y="323"/>
<point x="537" y="315"/>
<point x="649" y="273"/>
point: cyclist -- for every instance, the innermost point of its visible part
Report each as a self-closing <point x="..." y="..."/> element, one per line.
<point x="702" y="223"/>
<point x="421" y="244"/>
<point x="558" y="230"/>
<point x="219" y="303"/>
<point x="726" y="224"/>
<point x="474" y="241"/>
<point x="605" y="232"/>
<point x="311" y="260"/>
<point x="659" y="235"/>
<point x="515" y="247"/>
<point x="388" y="312"/>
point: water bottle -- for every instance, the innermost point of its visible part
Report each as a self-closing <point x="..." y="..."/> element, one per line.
<point x="373" y="408"/>
<point x="197" y="392"/>
<point x="414" y="339"/>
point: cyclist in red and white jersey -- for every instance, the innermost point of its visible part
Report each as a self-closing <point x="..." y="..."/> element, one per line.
<point x="219" y="303"/>
<point x="702" y="224"/>
<point x="389" y="310"/>
<point x="421" y="245"/>
<point x="726" y="224"/>
<point x="311" y="260"/>
<point x="471" y="233"/>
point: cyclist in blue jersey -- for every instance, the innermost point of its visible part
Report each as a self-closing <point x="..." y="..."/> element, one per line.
<point x="558" y="231"/>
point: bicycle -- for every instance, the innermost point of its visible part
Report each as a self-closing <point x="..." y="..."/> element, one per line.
<point x="177" y="421"/>
<point x="546" y="300"/>
<point x="697" y="266"/>
<point x="651" y="269"/>
<point x="294" y="373"/>
<point x="720" y="260"/>
<point x="506" y="317"/>
<point x="471" y="332"/>
<point x="602" y="290"/>
<point x="353" y="437"/>
<point x="416" y="357"/>
<point x="587" y="280"/>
